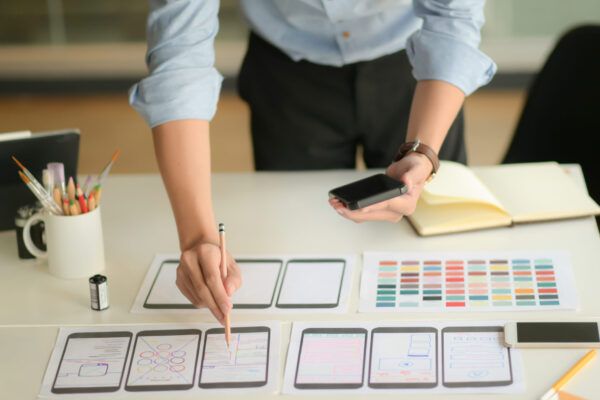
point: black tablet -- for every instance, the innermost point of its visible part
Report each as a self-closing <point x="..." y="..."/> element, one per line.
<point x="34" y="152"/>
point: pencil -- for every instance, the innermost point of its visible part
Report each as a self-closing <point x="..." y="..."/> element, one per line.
<point x="56" y="194"/>
<point x="66" y="207"/>
<point x="73" y="208"/>
<point x="71" y="189"/>
<point x="81" y="199"/>
<point x="224" y="274"/>
<point x="570" y="374"/>
<point x="91" y="203"/>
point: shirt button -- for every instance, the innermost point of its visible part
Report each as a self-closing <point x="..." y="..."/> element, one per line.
<point x="346" y="34"/>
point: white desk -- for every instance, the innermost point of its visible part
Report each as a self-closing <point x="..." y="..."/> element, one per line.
<point x="265" y="213"/>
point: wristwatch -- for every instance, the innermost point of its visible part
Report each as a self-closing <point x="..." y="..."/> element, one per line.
<point x="419" y="147"/>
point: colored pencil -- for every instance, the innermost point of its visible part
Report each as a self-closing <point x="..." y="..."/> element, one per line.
<point x="73" y="208"/>
<point x="91" y="200"/>
<point x="570" y="374"/>
<point x="81" y="200"/>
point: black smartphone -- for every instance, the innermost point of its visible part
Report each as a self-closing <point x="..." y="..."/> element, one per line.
<point x="163" y="360"/>
<point x="92" y="362"/>
<point x="404" y="357"/>
<point x="475" y="356"/>
<point x="331" y="358"/>
<point x="242" y="364"/>
<point x="368" y="191"/>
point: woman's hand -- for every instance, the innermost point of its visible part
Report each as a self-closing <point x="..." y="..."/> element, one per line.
<point x="199" y="278"/>
<point x="413" y="170"/>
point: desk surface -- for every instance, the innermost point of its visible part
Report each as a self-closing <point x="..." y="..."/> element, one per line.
<point x="266" y="213"/>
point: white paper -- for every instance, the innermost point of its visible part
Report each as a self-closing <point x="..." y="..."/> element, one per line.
<point x="280" y="283"/>
<point x="165" y="359"/>
<point x="413" y="356"/>
<point x="475" y="281"/>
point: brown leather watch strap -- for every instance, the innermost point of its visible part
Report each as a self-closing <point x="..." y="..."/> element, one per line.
<point x="419" y="147"/>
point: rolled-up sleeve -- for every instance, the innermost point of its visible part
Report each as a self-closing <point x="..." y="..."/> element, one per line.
<point x="446" y="47"/>
<point x="183" y="82"/>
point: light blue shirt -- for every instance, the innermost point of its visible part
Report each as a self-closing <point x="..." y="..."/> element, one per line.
<point x="441" y="38"/>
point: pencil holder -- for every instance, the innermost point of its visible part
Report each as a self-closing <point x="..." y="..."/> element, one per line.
<point x="75" y="247"/>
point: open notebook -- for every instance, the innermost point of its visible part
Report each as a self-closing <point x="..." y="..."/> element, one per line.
<point x="461" y="199"/>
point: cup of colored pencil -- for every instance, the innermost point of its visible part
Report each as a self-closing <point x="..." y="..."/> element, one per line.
<point x="71" y="217"/>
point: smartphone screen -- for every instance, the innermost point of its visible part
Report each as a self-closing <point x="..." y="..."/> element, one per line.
<point x="245" y="363"/>
<point x="92" y="362"/>
<point x="331" y="358"/>
<point x="557" y="332"/>
<point x="164" y="360"/>
<point x="371" y="190"/>
<point x="475" y="357"/>
<point x="311" y="283"/>
<point x="403" y="358"/>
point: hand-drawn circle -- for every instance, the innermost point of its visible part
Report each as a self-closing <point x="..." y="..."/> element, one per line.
<point x="160" y="368"/>
<point x="177" y="368"/>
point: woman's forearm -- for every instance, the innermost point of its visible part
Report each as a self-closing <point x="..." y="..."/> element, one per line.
<point x="182" y="150"/>
<point x="434" y="107"/>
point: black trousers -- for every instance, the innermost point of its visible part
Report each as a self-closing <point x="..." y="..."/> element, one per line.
<point x="307" y="116"/>
<point x="560" y="120"/>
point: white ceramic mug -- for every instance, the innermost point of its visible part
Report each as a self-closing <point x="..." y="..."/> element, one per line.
<point x="75" y="247"/>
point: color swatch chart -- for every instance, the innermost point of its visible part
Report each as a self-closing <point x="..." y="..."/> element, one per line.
<point x="467" y="281"/>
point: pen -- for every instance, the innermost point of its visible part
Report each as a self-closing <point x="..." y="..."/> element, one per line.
<point x="570" y="374"/>
<point x="224" y="274"/>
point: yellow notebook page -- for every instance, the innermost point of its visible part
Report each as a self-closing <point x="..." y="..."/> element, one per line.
<point x="537" y="191"/>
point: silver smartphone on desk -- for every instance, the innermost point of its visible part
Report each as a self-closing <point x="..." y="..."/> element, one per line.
<point x="552" y="334"/>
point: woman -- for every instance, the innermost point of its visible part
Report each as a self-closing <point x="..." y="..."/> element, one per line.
<point x="320" y="77"/>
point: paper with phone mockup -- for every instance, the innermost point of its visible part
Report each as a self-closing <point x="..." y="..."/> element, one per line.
<point x="401" y="358"/>
<point x="277" y="283"/>
<point x="186" y="359"/>
<point x="474" y="281"/>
